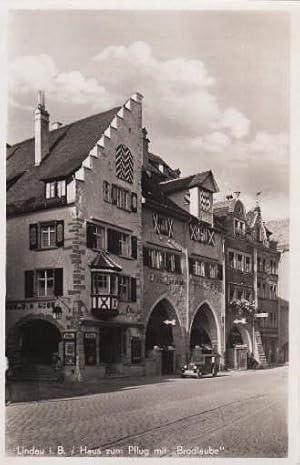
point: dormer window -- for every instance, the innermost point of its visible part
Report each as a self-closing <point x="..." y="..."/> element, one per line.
<point x="56" y="189"/>
<point x="239" y="227"/>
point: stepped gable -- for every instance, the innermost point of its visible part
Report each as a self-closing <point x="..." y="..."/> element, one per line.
<point x="69" y="146"/>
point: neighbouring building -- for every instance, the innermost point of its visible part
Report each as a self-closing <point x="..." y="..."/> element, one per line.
<point x="280" y="230"/>
<point x="113" y="262"/>
<point x="251" y="280"/>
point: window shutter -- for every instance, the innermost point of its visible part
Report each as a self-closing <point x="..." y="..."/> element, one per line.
<point x="113" y="244"/>
<point x="220" y="272"/>
<point x="133" y="247"/>
<point x="33" y="236"/>
<point x="90" y="235"/>
<point x="178" y="264"/>
<point x="207" y="269"/>
<point x="168" y="262"/>
<point x="58" y="281"/>
<point x="133" y="202"/>
<point x="133" y="290"/>
<point x="59" y="233"/>
<point x="146" y="256"/>
<point x="29" y="284"/>
<point x="114" y="194"/>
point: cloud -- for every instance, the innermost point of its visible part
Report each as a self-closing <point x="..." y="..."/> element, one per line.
<point x="31" y="73"/>
<point x="180" y="98"/>
<point x="271" y="147"/>
<point x="213" y="142"/>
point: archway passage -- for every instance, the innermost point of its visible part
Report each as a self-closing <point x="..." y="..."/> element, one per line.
<point x="204" y="332"/>
<point x="163" y="333"/>
<point x="234" y="338"/>
<point x="38" y="340"/>
<point x="237" y="348"/>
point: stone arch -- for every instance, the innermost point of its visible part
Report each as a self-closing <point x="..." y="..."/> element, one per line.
<point x="17" y="332"/>
<point x="205" y="316"/>
<point x="245" y="336"/>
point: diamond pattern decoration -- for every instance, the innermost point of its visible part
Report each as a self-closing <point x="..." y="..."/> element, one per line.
<point x="124" y="164"/>
<point x="204" y="200"/>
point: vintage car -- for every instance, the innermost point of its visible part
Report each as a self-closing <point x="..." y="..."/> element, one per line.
<point x="202" y="365"/>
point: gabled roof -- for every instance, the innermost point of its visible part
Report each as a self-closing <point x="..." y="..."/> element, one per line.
<point x="103" y="261"/>
<point x="224" y="207"/>
<point x="156" y="198"/>
<point x="69" y="146"/>
<point x="153" y="164"/>
<point x="205" y="180"/>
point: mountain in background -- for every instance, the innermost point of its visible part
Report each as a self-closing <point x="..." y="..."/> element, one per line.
<point x="280" y="231"/>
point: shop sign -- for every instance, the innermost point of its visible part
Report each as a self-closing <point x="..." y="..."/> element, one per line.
<point x="69" y="335"/>
<point x="261" y="315"/>
<point x="201" y="233"/>
<point x="89" y="335"/>
<point x="166" y="279"/>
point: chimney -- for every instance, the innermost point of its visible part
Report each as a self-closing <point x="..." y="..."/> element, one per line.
<point x="41" y="130"/>
<point x="145" y="147"/>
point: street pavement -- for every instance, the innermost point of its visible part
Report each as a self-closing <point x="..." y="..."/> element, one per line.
<point x="236" y="414"/>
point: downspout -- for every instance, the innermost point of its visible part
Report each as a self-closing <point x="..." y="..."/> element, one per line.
<point x="223" y="314"/>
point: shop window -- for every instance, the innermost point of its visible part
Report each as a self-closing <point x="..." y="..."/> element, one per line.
<point x="90" y="348"/>
<point x="46" y="235"/>
<point x="136" y="350"/>
<point x="44" y="283"/>
<point x="240" y="294"/>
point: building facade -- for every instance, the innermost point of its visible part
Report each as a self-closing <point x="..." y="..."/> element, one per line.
<point x="116" y="265"/>
<point x="251" y="277"/>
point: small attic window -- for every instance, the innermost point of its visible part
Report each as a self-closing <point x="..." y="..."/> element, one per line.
<point x="56" y="189"/>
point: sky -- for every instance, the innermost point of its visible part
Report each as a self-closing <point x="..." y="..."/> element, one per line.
<point x="215" y="86"/>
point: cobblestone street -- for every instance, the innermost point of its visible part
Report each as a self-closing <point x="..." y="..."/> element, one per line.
<point x="236" y="414"/>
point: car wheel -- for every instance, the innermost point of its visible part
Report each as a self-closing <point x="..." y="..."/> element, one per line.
<point x="199" y="374"/>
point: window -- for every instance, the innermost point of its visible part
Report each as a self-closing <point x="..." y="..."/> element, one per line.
<point x="273" y="291"/>
<point x="55" y="189"/>
<point x="44" y="283"/>
<point x="95" y="236"/>
<point x="231" y="259"/>
<point x="121" y="244"/>
<point x="213" y="270"/>
<point x="124" y="164"/>
<point x="161" y="260"/>
<point x="231" y="293"/>
<point x="239" y="227"/>
<point x="124" y="288"/>
<point x="240" y="294"/>
<point x="46" y="235"/>
<point x="199" y="268"/>
<point x="248" y="264"/>
<point x="104" y="284"/>
<point x="124" y="245"/>
<point x="248" y="296"/>
<point x="90" y="348"/>
<point x="106" y="191"/>
<point x="239" y="262"/>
